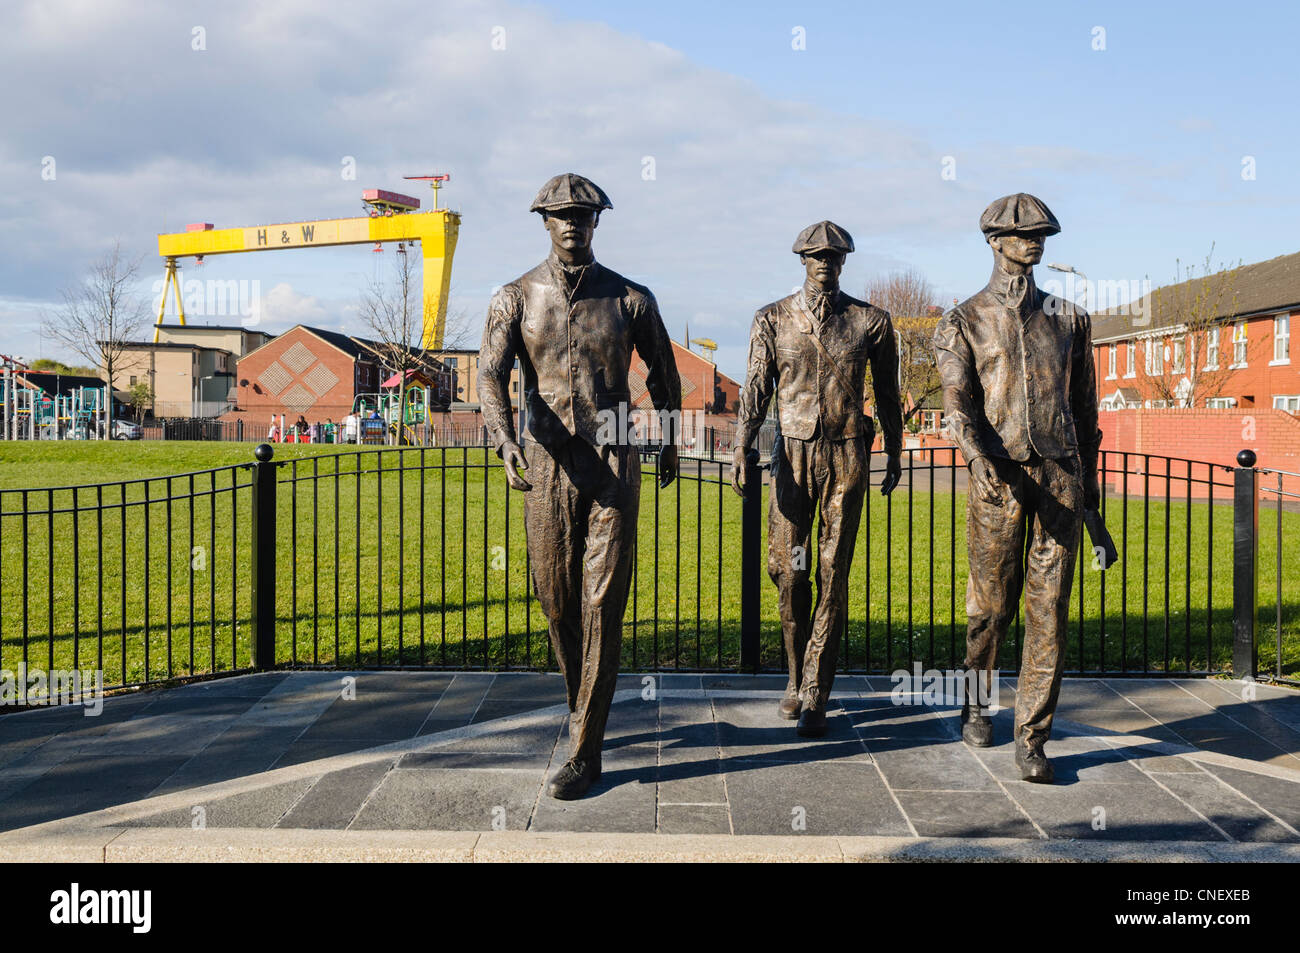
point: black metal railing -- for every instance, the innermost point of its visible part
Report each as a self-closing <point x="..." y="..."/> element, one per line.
<point x="1284" y="510"/>
<point x="415" y="557"/>
<point x="143" y="580"/>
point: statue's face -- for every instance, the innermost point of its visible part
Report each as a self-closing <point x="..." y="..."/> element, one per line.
<point x="571" y="228"/>
<point x="1018" y="247"/>
<point x="824" y="266"/>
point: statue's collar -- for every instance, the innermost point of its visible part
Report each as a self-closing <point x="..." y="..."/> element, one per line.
<point x="811" y="293"/>
<point x="1003" y="286"/>
<point x="569" y="272"/>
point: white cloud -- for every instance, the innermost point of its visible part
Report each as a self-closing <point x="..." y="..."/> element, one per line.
<point x="282" y="307"/>
<point x="149" y="134"/>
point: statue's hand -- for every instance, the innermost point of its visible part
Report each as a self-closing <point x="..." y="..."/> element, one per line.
<point x="1091" y="491"/>
<point x="512" y="455"/>
<point x="987" y="485"/>
<point x="667" y="465"/>
<point x="893" y="473"/>
<point x="738" y="471"/>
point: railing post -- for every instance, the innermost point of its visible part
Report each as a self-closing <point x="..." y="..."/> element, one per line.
<point x="263" y="567"/>
<point x="751" y="549"/>
<point x="1245" y="553"/>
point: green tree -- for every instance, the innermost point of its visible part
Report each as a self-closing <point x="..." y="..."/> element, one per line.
<point x="142" y="398"/>
<point x="49" y="365"/>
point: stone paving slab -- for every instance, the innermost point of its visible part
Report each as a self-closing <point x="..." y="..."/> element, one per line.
<point x="365" y="754"/>
<point x="259" y="808"/>
<point x="448" y="799"/>
<point x="819" y="798"/>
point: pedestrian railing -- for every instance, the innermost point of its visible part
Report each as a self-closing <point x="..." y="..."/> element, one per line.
<point x="415" y="557"/>
<point x="1277" y="492"/>
<point x="142" y="580"/>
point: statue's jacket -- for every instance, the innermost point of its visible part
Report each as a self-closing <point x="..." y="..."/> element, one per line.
<point x="1019" y="379"/>
<point x="573" y="331"/>
<point x="813" y="398"/>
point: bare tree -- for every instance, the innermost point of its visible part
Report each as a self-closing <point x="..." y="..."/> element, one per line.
<point x="912" y="303"/>
<point x="101" y="316"/>
<point x="394" y="311"/>
<point x="1191" y="310"/>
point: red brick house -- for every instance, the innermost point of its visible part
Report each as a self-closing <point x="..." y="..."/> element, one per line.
<point x="1243" y="361"/>
<point x="705" y="389"/>
<point x="318" y="373"/>
<point x="1205" y="394"/>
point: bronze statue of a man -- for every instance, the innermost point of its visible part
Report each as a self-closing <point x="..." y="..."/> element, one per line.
<point x="1020" y="399"/>
<point x="812" y="349"/>
<point x="573" y="324"/>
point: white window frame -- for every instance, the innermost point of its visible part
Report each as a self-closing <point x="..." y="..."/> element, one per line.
<point x="1212" y="349"/>
<point x="1220" y="403"/>
<point x="1112" y="359"/>
<point x="1131" y="359"/>
<point x="1178" y="364"/>
<point x="1281" y="340"/>
<point x="1288" y="402"/>
<point x="1155" y="357"/>
<point x="1240" y="344"/>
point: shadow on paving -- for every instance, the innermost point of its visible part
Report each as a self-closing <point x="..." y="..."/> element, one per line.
<point x="712" y="758"/>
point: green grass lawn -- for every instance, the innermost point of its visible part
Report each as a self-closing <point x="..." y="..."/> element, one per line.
<point x="364" y="539"/>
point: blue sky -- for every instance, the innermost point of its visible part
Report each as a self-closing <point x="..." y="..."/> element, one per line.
<point x="1138" y="147"/>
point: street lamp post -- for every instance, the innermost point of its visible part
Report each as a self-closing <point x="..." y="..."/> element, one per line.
<point x="1071" y="270"/>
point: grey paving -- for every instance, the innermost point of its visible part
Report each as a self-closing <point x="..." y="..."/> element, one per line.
<point x="448" y="800"/>
<point x="262" y="808"/>
<point x="693" y="819"/>
<point x="988" y="813"/>
<point x="333" y="800"/>
<point x="814" y="798"/>
<point x="1176" y="761"/>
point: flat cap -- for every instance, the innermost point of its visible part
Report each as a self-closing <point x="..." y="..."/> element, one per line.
<point x="569" y="190"/>
<point x="1021" y="212"/>
<point x="821" y="237"/>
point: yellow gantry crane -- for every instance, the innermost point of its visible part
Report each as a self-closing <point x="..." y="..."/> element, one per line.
<point x="391" y="218"/>
<point x="707" y="346"/>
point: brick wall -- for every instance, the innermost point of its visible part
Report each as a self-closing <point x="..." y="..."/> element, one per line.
<point x="296" y="373"/>
<point x="1212" y="436"/>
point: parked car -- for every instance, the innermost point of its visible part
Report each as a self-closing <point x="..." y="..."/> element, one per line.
<point x="126" y="430"/>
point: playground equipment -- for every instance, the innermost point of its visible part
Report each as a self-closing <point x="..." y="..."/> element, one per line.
<point x="32" y="413"/>
<point x="390" y="217"/>
<point x="388" y="405"/>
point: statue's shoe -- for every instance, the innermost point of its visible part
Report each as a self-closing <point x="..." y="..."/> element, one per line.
<point x="812" y="723"/>
<point x="976" y="728"/>
<point x="573" y="779"/>
<point x="790" y="704"/>
<point x="1034" y="765"/>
